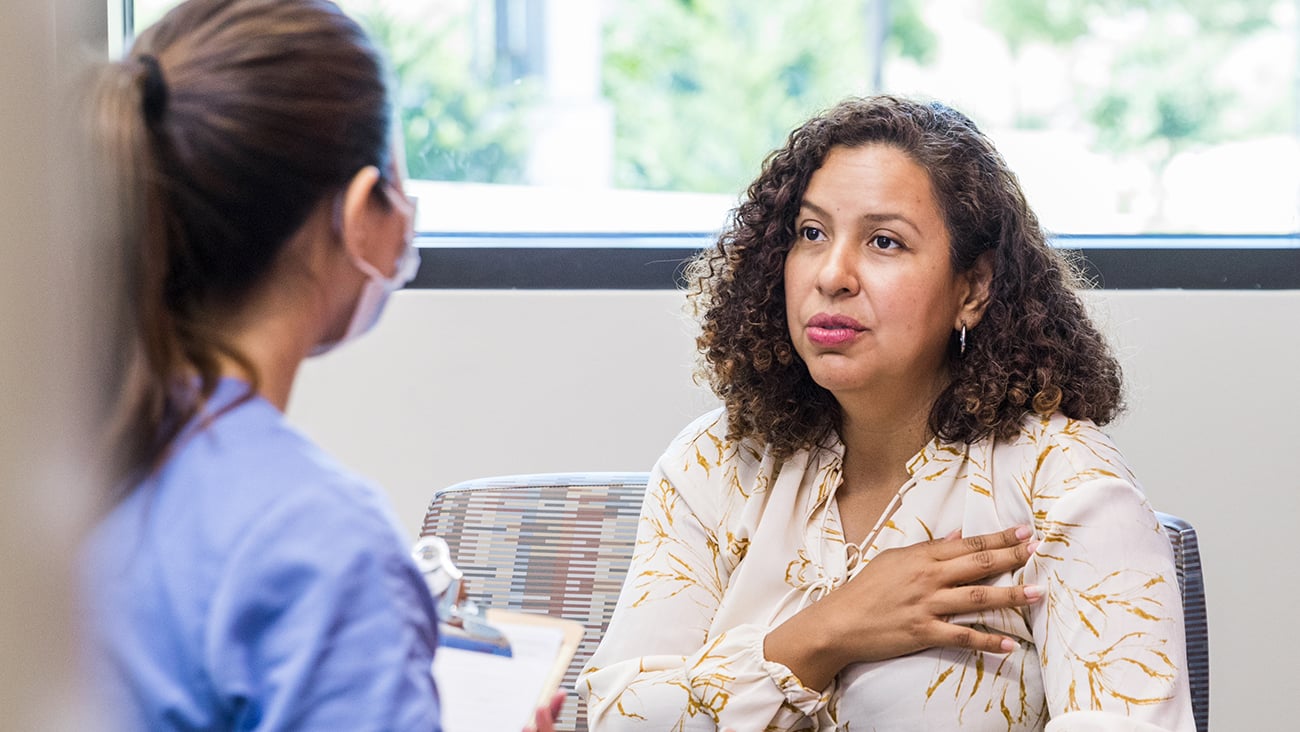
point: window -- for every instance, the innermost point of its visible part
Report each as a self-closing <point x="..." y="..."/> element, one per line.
<point x="639" y="119"/>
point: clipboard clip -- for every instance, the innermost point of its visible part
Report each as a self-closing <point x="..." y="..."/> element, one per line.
<point x="461" y="622"/>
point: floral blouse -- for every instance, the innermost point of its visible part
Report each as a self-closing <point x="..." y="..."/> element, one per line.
<point x="731" y="543"/>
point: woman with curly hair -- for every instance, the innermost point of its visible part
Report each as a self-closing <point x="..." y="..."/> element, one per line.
<point x="905" y="515"/>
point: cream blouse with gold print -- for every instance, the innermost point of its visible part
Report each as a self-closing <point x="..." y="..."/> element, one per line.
<point x="732" y="543"/>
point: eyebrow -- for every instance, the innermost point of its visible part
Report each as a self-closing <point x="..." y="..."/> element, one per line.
<point x="871" y="218"/>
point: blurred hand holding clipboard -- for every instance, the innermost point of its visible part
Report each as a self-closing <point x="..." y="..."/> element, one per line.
<point x="493" y="667"/>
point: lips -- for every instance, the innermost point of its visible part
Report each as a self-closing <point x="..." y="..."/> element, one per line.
<point x="829" y="321"/>
<point x="825" y="329"/>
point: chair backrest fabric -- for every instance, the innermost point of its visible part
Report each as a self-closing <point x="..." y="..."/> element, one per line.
<point x="1191" y="583"/>
<point x="557" y="544"/>
<point x="560" y="544"/>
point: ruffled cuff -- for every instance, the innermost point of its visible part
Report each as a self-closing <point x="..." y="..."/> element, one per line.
<point x="797" y="695"/>
<point x="741" y="689"/>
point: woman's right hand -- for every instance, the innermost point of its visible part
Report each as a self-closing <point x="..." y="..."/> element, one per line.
<point x="900" y="602"/>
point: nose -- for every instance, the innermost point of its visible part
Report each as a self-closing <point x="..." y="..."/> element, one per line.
<point x="837" y="274"/>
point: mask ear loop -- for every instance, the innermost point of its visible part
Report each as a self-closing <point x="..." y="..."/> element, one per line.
<point x="409" y="263"/>
<point x="398" y="200"/>
<point x="336" y="208"/>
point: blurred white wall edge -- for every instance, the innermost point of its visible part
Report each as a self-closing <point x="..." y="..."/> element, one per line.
<point x="48" y="288"/>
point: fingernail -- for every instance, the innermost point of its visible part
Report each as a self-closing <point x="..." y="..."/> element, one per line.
<point x="1033" y="592"/>
<point x="1008" y="645"/>
<point x="1024" y="532"/>
<point x="1033" y="546"/>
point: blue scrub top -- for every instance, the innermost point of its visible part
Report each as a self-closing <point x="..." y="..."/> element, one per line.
<point x="254" y="584"/>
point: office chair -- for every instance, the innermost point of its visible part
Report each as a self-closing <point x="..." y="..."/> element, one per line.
<point x="557" y="544"/>
<point x="560" y="544"/>
<point x="1187" y="563"/>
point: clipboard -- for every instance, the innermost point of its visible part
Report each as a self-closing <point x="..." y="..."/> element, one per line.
<point x="571" y="632"/>
<point x="481" y="690"/>
<point x="493" y="667"/>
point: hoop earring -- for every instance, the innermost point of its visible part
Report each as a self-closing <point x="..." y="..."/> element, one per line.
<point x="962" y="341"/>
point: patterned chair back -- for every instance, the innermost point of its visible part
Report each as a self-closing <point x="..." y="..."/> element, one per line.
<point x="560" y="544"/>
<point x="1187" y="562"/>
<point x="557" y="544"/>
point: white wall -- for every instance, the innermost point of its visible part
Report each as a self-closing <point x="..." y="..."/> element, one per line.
<point x="1213" y="434"/>
<point x="457" y="385"/>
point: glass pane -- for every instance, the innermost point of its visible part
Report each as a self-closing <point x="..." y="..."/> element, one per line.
<point x="1120" y="116"/>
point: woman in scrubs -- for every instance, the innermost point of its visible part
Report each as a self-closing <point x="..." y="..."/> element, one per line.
<point x="242" y="579"/>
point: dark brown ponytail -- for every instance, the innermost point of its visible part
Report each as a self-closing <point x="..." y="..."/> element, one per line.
<point x="227" y="125"/>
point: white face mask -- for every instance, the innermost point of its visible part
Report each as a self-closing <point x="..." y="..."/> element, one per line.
<point x="374" y="295"/>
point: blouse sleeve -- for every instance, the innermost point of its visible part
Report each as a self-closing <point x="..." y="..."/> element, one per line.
<point x="1110" y="629"/>
<point x="657" y="667"/>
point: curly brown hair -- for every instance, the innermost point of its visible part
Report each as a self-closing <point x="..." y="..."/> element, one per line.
<point x="1034" y="350"/>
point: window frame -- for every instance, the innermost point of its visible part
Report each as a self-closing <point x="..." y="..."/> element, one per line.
<point x="655" y="261"/>
<point x="512" y="261"/>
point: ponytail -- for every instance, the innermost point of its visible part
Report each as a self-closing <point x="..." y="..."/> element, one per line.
<point x="150" y="409"/>
<point x="228" y="124"/>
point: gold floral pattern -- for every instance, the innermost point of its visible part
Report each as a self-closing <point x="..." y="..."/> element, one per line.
<point x="731" y="543"/>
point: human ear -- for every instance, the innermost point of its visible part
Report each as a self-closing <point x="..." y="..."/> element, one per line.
<point x="979" y="286"/>
<point x="363" y="216"/>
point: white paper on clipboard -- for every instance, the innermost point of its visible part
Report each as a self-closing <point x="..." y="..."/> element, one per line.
<point x="484" y="692"/>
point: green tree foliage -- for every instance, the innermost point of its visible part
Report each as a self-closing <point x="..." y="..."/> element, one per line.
<point x="1022" y="22"/>
<point x="1162" y="89"/>
<point x="908" y="36"/>
<point x="740" y="75"/>
<point x="458" y="124"/>
<point x="702" y="90"/>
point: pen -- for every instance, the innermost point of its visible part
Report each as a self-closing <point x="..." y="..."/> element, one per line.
<point x="469" y="643"/>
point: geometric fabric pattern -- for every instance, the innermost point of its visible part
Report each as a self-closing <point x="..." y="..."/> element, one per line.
<point x="556" y="544"/>
<point x="1187" y="561"/>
